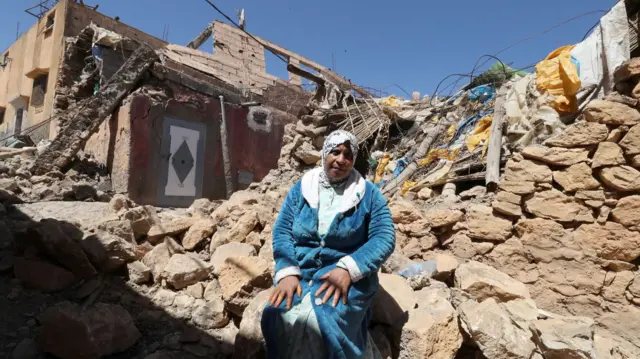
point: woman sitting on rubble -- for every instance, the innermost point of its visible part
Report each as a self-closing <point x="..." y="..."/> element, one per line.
<point x="333" y="233"/>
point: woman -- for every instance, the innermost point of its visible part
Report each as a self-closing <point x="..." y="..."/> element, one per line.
<point x="333" y="233"/>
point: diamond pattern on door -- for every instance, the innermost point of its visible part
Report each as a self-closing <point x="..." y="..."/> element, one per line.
<point x="182" y="161"/>
<point x="181" y="177"/>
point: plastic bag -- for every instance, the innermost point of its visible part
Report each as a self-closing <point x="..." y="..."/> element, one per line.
<point x="558" y="75"/>
<point x="417" y="269"/>
<point x="482" y="93"/>
<point x="401" y="164"/>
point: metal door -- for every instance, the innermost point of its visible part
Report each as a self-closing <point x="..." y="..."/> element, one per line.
<point x="182" y="165"/>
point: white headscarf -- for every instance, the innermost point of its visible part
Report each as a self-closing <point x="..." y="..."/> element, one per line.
<point x="335" y="139"/>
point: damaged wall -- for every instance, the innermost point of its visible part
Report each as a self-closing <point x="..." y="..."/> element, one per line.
<point x="80" y="16"/>
<point x="41" y="51"/>
<point x="240" y="59"/>
<point x="164" y="148"/>
<point x="77" y="48"/>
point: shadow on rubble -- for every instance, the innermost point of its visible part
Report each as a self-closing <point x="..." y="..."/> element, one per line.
<point x="51" y="296"/>
<point x="54" y="303"/>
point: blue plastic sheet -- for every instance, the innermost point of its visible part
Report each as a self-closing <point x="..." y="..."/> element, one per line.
<point x="401" y="164"/>
<point x="482" y="93"/>
<point x="468" y="124"/>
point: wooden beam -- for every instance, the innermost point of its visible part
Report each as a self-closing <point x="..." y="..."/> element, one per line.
<point x="202" y="37"/>
<point x="495" y="140"/>
<point x="330" y="75"/>
<point x="194" y="80"/>
<point x="306" y="74"/>
<point x="83" y="120"/>
<point x="15" y="152"/>
<point x="226" y="157"/>
<point x="456" y="179"/>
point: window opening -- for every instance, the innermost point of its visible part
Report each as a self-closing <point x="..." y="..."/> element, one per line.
<point x="39" y="91"/>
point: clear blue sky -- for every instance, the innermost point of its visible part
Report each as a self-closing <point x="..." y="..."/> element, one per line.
<point x="412" y="43"/>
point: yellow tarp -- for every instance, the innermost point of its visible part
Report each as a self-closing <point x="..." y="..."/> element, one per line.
<point x="558" y="75"/>
<point x="480" y="134"/>
<point x="406" y="186"/>
<point x="390" y="101"/>
<point x="438" y="154"/>
<point x="382" y="164"/>
<point x="451" y="132"/>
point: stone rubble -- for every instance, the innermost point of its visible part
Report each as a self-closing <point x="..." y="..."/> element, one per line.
<point x="544" y="267"/>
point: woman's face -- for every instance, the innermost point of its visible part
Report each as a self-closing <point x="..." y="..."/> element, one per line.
<point x="339" y="163"/>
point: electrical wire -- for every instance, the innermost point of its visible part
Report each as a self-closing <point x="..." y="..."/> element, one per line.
<point x="469" y="75"/>
<point x="398" y="86"/>
<point x="547" y="31"/>
<point x="551" y="29"/>
<point x="282" y="58"/>
<point x="590" y="29"/>
<point x="27" y="130"/>
<point x="476" y="66"/>
<point x="32" y="128"/>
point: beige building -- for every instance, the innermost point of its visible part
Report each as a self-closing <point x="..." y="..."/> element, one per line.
<point x="30" y="67"/>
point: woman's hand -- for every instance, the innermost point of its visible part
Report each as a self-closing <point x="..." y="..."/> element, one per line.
<point x="336" y="283"/>
<point x="285" y="289"/>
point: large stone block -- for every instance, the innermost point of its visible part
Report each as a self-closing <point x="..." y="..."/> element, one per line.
<point x="482" y="282"/>
<point x="68" y="332"/>
<point x="241" y="279"/>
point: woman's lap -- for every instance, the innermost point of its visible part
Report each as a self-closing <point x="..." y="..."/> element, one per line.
<point x="299" y="336"/>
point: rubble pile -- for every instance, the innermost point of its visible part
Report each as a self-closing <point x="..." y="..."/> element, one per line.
<point x="544" y="265"/>
<point x="83" y="180"/>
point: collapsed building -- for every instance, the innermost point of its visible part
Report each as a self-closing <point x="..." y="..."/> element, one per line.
<point x="515" y="202"/>
<point x="72" y="54"/>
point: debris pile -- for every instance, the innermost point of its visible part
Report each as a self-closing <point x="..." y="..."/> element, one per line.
<point x="542" y="265"/>
<point x="545" y="265"/>
<point x="83" y="180"/>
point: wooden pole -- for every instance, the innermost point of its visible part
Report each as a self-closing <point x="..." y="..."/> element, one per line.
<point x="457" y="179"/>
<point x="201" y="38"/>
<point x="226" y="158"/>
<point x="306" y="74"/>
<point x="413" y="166"/>
<point x="495" y="140"/>
<point x="19" y="151"/>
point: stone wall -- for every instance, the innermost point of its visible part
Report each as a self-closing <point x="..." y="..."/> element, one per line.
<point x="564" y="220"/>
